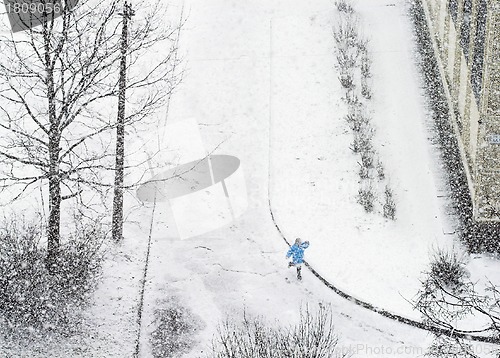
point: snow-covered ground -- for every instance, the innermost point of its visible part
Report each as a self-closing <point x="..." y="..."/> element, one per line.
<point x="261" y="83"/>
<point x="260" y="76"/>
<point x="315" y="174"/>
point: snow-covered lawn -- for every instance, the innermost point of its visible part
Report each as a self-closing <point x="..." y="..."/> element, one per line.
<point x="375" y="259"/>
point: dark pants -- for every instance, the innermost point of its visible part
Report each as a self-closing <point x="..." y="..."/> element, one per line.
<point x="299" y="269"/>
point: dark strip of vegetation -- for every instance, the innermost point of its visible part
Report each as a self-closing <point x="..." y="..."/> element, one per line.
<point x="478" y="237"/>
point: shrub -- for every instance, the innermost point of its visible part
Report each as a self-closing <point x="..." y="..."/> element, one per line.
<point x="358" y="121"/>
<point x="347" y="79"/>
<point x="366" y="164"/>
<point x="30" y="297"/>
<point x="312" y="337"/>
<point x="447" y="268"/>
<point x="366" y="91"/>
<point x="352" y="100"/>
<point x="344" y="6"/>
<point x="366" y="198"/>
<point x="362" y="46"/>
<point x="347" y="57"/>
<point x="380" y="170"/>
<point x="389" y="206"/>
<point x="345" y="33"/>
<point x="364" y="172"/>
<point x="362" y="140"/>
<point x="366" y="65"/>
<point x="350" y="118"/>
<point x="367" y="159"/>
<point x="175" y="327"/>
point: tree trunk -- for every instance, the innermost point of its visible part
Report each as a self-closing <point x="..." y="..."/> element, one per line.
<point x="54" y="134"/>
<point x="53" y="228"/>
<point x="54" y="218"/>
<point x="117" y="223"/>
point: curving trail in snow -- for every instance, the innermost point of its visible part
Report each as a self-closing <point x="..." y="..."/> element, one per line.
<point x="381" y="311"/>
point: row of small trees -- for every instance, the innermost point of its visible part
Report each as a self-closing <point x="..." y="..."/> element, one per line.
<point x="354" y="65"/>
<point x="59" y="84"/>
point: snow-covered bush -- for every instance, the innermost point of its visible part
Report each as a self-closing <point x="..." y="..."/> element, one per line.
<point x="344" y="6"/>
<point x="366" y="90"/>
<point x="366" y="64"/>
<point x="380" y="170"/>
<point x="347" y="58"/>
<point x="345" y="33"/>
<point x="389" y="206"/>
<point x="444" y="282"/>
<point x="346" y="79"/>
<point x="362" y="141"/>
<point x="367" y="159"/>
<point x="175" y="327"/>
<point x="448" y="268"/>
<point x="312" y="337"/>
<point x="366" y="164"/>
<point x="30" y="297"/>
<point x="366" y="197"/>
<point x="358" y="121"/>
<point x="352" y="100"/>
<point x="364" y="172"/>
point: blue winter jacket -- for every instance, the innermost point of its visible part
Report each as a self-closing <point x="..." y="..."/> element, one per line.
<point x="297" y="252"/>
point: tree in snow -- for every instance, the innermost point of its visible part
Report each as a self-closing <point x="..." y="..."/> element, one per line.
<point x="447" y="297"/>
<point x="58" y="85"/>
<point x="117" y="221"/>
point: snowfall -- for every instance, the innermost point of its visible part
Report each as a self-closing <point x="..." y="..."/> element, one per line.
<point x="261" y="85"/>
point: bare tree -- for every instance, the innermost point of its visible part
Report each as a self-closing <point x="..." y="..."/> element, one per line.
<point x="448" y="297"/>
<point x="117" y="221"/>
<point x="58" y="83"/>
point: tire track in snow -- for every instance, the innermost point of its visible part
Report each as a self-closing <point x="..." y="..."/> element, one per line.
<point x="395" y="317"/>
<point x="143" y="281"/>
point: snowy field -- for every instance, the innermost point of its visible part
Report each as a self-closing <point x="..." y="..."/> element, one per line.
<point x="262" y="86"/>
